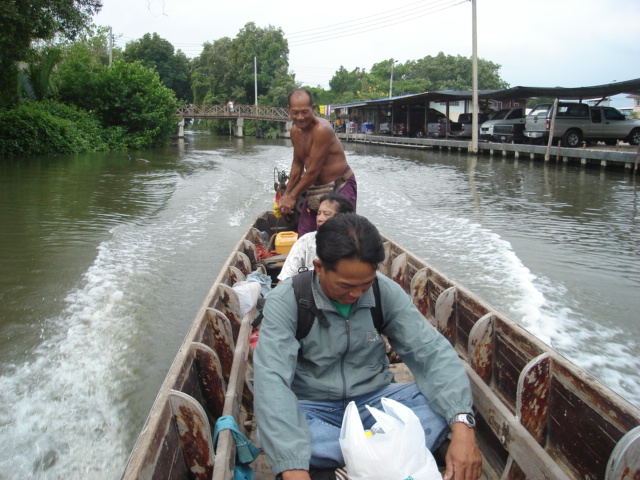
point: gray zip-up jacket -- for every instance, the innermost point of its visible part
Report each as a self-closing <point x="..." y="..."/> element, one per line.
<point x="345" y="359"/>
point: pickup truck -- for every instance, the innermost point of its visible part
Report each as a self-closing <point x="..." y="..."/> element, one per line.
<point x="466" y="124"/>
<point x="578" y="122"/>
<point x="439" y="129"/>
<point x="436" y="124"/>
<point x="509" y="132"/>
<point x="505" y="116"/>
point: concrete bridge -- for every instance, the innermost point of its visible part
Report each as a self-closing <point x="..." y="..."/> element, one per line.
<point x="239" y="113"/>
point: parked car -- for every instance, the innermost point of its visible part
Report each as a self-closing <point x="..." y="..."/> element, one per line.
<point x="506" y="116"/>
<point x="466" y="126"/>
<point x="578" y="122"/>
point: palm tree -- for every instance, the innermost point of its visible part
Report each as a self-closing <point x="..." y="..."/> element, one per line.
<point x="34" y="79"/>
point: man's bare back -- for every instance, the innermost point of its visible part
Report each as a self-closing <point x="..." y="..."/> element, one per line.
<point x="317" y="151"/>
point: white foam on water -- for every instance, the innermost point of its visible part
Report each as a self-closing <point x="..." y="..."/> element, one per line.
<point x="63" y="406"/>
<point x="486" y="264"/>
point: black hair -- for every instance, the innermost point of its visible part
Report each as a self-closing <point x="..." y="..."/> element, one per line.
<point x="348" y="236"/>
<point x="300" y="90"/>
<point x="344" y="204"/>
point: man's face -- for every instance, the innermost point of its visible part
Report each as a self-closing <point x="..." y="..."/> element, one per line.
<point x="327" y="209"/>
<point x="301" y="110"/>
<point x="348" y="281"/>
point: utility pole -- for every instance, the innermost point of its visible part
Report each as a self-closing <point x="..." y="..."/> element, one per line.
<point x="110" y="46"/>
<point x="255" y="80"/>
<point x="474" y="95"/>
<point x="391" y="83"/>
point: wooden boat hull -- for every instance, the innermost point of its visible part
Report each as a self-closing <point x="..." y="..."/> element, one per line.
<point x="539" y="416"/>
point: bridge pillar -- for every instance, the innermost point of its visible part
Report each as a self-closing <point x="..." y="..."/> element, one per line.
<point x="237" y="132"/>
<point x="286" y="131"/>
<point x="181" y="128"/>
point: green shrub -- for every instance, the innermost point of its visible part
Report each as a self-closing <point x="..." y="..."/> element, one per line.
<point x="47" y="127"/>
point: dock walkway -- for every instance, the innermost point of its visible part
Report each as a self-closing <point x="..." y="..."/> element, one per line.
<point x="624" y="157"/>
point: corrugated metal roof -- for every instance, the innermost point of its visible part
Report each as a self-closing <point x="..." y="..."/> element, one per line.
<point x="629" y="86"/>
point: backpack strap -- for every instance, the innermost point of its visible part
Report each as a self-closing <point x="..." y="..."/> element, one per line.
<point x="307" y="310"/>
<point x="376" y="312"/>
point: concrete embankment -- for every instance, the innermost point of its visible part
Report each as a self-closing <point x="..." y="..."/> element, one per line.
<point x="623" y="156"/>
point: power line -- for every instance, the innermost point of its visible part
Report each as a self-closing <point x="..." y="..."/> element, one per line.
<point x="386" y="16"/>
<point x="356" y="30"/>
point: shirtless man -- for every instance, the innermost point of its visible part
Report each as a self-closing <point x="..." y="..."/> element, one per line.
<point x="318" y="154"/>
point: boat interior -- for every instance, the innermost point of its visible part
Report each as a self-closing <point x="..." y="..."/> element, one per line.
<point x="538" y="415"/>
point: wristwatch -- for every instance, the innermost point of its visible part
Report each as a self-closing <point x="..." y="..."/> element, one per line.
<point x="465" y="418"/>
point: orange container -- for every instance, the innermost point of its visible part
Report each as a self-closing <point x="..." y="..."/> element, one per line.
<point x="284" y="241"/>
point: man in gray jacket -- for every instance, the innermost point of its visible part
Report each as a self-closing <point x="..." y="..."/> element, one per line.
<point x="302" y="387"/>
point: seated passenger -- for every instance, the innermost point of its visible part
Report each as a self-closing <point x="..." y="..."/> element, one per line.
<point x="303" y="385"/>
<point x="303" y="252"/>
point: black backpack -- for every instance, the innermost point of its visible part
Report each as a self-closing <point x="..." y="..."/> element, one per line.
<point x="307" y="310"/>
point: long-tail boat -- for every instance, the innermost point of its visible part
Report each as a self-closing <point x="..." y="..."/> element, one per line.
<point x="538" y="415"/>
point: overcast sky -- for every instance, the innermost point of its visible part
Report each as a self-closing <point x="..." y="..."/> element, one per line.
<point x="545" y="43"/>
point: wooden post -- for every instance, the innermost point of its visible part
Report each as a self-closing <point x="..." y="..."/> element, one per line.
<point x="474" y="92"/>
<point x="551" y="127"/>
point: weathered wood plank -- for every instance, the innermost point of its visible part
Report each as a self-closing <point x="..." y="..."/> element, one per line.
<point x="534" y="461"/>
<point x="223" y="340"/>
<point x="211" y="378"/>
<point x="445" y="314"/>
<point x="226" y="450"/>
<point x="226" y="300"/>
<point x="533" y="397"/>
<point x="420" y="290"/>
<point x="481" y="348"/>
<point x="624" y="463"/>
<point x="194" y="433"/>
<point x="399" y="271"/>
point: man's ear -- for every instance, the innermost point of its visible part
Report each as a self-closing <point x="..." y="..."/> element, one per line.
<point x="318" y="267"/>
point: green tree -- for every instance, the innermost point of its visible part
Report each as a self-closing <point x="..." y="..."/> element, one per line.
<point x="281" y="85"/>
<point x="212" y="77"/>
<point x="81" y="62"/>
<point x="225" y="69"/>
<point x="442" y="72"/>
<point x="131" y="97"/>
<point x="271" y="51"/>
<point x="448" y="72"/>
<point x="157" y="53"/>
<point x="25" y="21"/>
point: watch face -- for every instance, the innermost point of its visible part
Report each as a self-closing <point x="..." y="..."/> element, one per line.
<point x="465" y="418"/>
<point x="470" y="420"/>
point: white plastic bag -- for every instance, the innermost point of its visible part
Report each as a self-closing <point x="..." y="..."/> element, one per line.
<point x="396" y="451"/>
<point x="248" y="293"/>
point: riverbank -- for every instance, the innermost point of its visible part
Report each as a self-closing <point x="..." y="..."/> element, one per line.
<point x="623" y="157"/>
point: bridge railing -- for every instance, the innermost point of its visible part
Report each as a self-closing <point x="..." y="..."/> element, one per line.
<point x="279" y="114"/>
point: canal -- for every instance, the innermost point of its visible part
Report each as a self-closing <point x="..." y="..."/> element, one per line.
<point x="106" y="260"/>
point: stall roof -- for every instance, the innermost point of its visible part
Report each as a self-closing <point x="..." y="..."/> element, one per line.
<point x="629" y="86"/>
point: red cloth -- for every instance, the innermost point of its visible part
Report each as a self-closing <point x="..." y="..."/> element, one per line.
<point x="264" y="253"/>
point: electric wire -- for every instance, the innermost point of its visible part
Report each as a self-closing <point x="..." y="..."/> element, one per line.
<point x="383" y="16"/>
